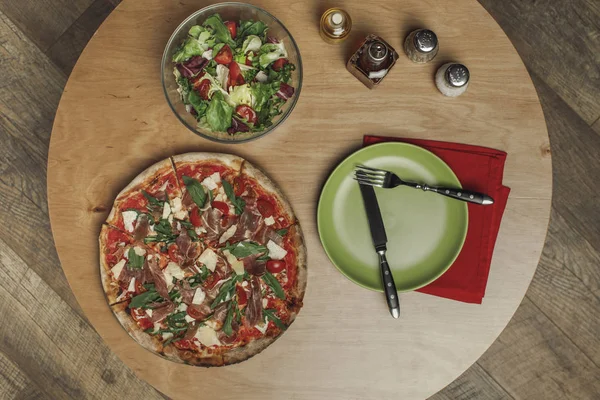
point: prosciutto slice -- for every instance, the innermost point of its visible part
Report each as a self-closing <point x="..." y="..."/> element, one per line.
<point x="220" y="314"/>
<point x="142" y="228"/>
<point x="249" y="223"/>
<point x="187" y="293"/>
<point x="211" y="221"/>
<point x="254" y="309"/>
<point x="254" y="267"/>
<point x="266" y="233"/>
<point x="158" y="277"/>
<point x="158" y="314"/>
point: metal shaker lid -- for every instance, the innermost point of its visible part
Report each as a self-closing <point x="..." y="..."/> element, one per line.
<point x="378" y="51"/>
<point x="457" y="75"/>
<point x="425" y="40"/>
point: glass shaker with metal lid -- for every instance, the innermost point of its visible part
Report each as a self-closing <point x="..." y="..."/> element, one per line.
<point x="372" y="61"/>
<point x="335" y="25"/>
<point x="421" y="46"/>
<point x="452" y="79"/>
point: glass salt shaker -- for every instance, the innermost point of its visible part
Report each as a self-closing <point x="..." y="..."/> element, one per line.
<point x="421" y="46"/>
<point x="452" y="79"/>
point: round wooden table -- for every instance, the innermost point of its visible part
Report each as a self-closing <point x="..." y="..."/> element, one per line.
<point x="113" y="122"/>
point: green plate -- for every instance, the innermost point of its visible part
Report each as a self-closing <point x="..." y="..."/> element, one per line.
<point x="425" y="231"/>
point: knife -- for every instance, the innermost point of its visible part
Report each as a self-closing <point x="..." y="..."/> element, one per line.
<point x="379" y="241"/>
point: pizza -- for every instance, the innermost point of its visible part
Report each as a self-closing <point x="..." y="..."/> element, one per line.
<point x="202" y="259"/>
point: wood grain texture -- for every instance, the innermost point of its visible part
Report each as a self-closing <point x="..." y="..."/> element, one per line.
<point x="43" y="21"/>
<point x="596" y="126"/>
<point x="474" y="384"/>
<point x="64" y="362"/>
<point x="66" y="50"/>
<point x="532" y="360"/>
<point x="440" y="339"/>
<point x="559" y="41"/>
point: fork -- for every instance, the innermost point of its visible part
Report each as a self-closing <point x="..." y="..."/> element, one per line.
<point x="386" y="179"/>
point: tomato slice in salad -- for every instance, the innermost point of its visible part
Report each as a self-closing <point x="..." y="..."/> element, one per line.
<point x="235" y="75"/>
<point x="232" y="28"/>
<point x="224" y="56"/>
<point x="279" y="63"/>
<point x="247" y="113"/>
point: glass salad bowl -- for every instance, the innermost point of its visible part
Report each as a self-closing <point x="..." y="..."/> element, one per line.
<point x="276" y="33"/>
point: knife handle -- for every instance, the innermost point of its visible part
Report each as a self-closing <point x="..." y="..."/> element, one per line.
<point x="460" y="194"/>
<point x="389" y="287"/>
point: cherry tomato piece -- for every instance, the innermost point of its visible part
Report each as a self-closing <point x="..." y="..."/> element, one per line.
<point x="238" y="186"/>
<point x="265" y="207"/>
<point x="145" y="323"/>
<point x="195" y="217"/>
<point x="221" y="206"/>
<point x="224" y="56"/>
<point x="203" y="89"/>
<point x="247" y="113"/>
<point x="235" y="75"/>
<point x="242" y="295"/>
<point x="232" y="28"/>
<point x="275" y="266"/>
<point x="279" y="63"/>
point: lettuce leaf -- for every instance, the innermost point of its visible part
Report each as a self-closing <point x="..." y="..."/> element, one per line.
<point x="219" y="113"/>
<point x="190" y="48"/>
<point x="257" y="28"/>
<point x="270" y="52"/>
<point x="199" y="105"/>
<point x="221" y="32"/>
<point x="242" y="95"/>
<point x="252" y="43"/>
<point x="262" y="92"/>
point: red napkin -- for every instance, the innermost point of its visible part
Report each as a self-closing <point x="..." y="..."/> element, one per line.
<point x="479" y="169"/>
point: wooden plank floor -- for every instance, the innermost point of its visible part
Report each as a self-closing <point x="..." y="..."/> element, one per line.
<point x="550" y="349"/>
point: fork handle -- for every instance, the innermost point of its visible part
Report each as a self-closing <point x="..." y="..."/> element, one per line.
<point x="460" y="194"/>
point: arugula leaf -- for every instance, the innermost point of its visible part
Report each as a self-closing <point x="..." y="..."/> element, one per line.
<point x="273" y="283"/>
<point x="219" y="113"/>
<point x="192" y="234"/>
<point x="163" y="227"/>
<point x="237" y="202"/>
<point x="198" y="103"/>
<point x="195" y="190"/>
<point x="211" y="68"/>
<point x="245" y="249"/>
<point x="226" y="291"/>
<point x="227" y="329"/>
<point x="152" y="200"/>
<point x="176" y="322"/>
<point x="282" y="232"/>
<point x="270" y="315"/>
<point x="199" y="278"/>
<point x="133" y="260"/>
<point x="142" y="300"/>
<point x="264" y="257"/>
<point x="221" y="31"/>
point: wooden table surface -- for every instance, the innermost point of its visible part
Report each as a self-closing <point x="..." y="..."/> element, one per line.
<point x="113" y="122"/>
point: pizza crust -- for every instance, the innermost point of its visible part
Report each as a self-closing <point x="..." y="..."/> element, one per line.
<point x="111" y="289"/>
<point x="231" y="161"/>
<point x="298" y="291"/>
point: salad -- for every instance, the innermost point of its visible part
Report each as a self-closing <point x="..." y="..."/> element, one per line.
<point x="233" y="77"/>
